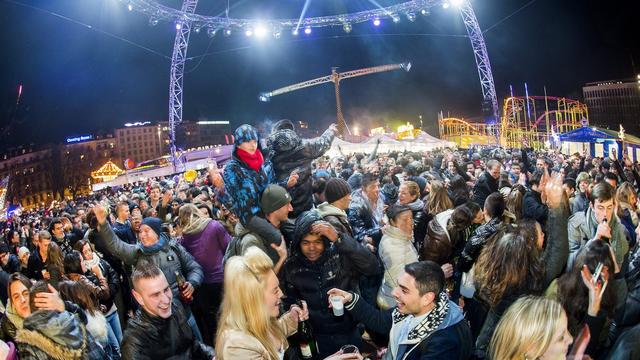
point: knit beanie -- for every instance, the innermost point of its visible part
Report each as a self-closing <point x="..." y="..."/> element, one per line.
<point x="245" y="133"/>
<point x="336" y="189"/>
<point x="273" y="198"/>
<point x="154" y="223"/>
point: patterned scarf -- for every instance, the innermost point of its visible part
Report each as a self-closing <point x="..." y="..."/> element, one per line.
<point x="431" y="323"/>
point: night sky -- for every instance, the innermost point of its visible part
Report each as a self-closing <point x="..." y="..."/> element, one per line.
<point x="79" y="80"/>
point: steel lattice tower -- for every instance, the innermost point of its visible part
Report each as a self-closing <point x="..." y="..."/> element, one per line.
<point x="183" y="30"/>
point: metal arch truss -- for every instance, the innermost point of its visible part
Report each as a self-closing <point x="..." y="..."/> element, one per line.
<point x="176" y="79"/>
<point x="481" y="55"/>
<point x="186" y="19"/>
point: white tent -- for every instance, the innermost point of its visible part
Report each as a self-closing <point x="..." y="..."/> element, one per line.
<point x="388" y="143"/>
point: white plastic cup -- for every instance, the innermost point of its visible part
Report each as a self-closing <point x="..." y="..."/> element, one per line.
<point x="337" y="305"/>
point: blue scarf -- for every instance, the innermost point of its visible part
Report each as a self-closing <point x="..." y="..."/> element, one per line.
<point x="155" y="247"/>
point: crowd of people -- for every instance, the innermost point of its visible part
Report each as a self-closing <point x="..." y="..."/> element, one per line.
<point x="285" y="253"/>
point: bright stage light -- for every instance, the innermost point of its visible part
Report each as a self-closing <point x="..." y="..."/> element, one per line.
<point x="445" y="5"/>
<point x="411" y="17"/>
<point x="153" y="21"/>
<point x="376" y="22"/>
<point x="197" y="29"/>
<point x="261" y="31"/>
<point x="211" y="32"/>
<point x="130" y="7"/>
<point x="307" y="30"/>
<point x="248" y="32"/>
<point x="457" y="3"/>
<point x="178" y="26"/>
<point x="227" y="32"/>
<point x="294" y="32"/>
<point x="396" y="19"/>
<point x="347" y="27"/>
<point x="425" y="12"/>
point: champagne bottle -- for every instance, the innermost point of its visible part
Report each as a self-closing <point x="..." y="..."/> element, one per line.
<point x="181" y="285"/>
<point x="307" y="342"/>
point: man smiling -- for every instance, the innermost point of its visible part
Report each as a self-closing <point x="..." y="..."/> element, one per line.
<point x="425" y="324"/>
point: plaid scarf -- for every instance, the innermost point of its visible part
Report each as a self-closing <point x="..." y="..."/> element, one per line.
<point x="430" y="323"/>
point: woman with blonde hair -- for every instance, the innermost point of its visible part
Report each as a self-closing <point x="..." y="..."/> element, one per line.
<point x="206" y="240"/>
<point x="532" y="328"/>
<point x="249" y="326"/>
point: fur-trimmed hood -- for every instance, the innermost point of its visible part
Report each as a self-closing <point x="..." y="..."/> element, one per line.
<point x="60" y="334"/>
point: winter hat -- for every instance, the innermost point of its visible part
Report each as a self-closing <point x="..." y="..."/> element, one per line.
<point x="336" y="189"/>
<point x="304" y="223"/>
<point x="154" y="223"/>
<point x="23" y="250"/>
<point x="583" y="176"/>
<point x="273" y="198"/>
<point x="284" y="124"/>
<point x="422" y="183"/>
<point x="245" y="133"/>
<point x="389" y="194"/>
<point x="355" y="181"/>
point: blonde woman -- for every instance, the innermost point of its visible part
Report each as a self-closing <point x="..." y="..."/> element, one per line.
<point x="532" y="328"/>
<point x="627" y="209"/>
<point x="249" y="326"/>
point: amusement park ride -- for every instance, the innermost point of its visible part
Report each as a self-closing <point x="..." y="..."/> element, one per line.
<point x="532" y="121"/>
<point x="335" y="78"/>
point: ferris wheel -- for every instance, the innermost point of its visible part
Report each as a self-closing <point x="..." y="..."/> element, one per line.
<point x="186" y="19"/>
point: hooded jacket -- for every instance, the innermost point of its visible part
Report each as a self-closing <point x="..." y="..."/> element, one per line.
<point x="395" y="251"/>
<point x="336" y="217"/>
<point x="288" y="152"/>
<point x="56" y="335"/>
<point x="152" y="337"/>
<point x="340" y="266"/>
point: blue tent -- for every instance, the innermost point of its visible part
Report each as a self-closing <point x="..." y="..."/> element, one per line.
<point x="601" y="141"/>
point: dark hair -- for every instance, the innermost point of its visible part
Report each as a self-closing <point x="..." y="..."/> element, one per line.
<point x="428" y="276"/>
<point x="602" y="192"/>
<point x="394" y="210"/>
<point x="495" y="205"/>
<point x="92" y="220"/>
<point x="368" y="179"/>
<point x="39" y="287"/>
<point x="80" y="245"/>
<point x="53" y="222"/>
<point x="514" y="200"/>
<point x="571" y="183"/>
<point x="536" y="177"/>
<point x="145" y="270"/>
<point x="73" y="263"/>
<point x="55" y="257"/>
<point x="17" y="277"/>
<point x="318" y="185"/>
<point x="79" y="293"/>
<point x="572" y="293"/>
<point x="611" y="176"/>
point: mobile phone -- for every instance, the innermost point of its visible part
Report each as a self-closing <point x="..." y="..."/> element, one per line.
<point x="596" y="274"/>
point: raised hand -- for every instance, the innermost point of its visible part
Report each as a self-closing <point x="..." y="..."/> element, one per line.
<point x="596" y="288"/>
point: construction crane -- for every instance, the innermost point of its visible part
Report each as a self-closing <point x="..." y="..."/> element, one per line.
<point x="335" y="78"/>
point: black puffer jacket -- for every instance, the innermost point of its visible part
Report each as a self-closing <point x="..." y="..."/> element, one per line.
<point x="288" y="152"/>
<point x="485" y="186"/>
<point x="340" y="266"/>
<point x="151" y="337"/>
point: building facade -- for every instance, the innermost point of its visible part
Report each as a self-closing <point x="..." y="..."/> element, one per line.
<point x="614" y="102"/>
<point x="142" y="141"/>
<point x="31" y="175"/>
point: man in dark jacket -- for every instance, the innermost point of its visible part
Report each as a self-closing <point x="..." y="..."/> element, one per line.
<point x="337" y="192"/>
<point x="487" y="182"/>
<point x="8" y="262"/>
<point x="288" y="154"/>
<point x="532" y="206"/>
<point x="159" y="329"/>
<point x="156" y="247"/>
<point x="424" y="325"/>
<point x="322" y="259"/>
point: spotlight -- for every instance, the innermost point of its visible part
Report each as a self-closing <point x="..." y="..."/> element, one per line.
<point x="130" y="7"/>
<point x="294" y="32"/>
<point x="261" y="31"/>
<point x="153" y="21"/>
<point x="307" y="30"/>
<point x="178" y="26"/>
<point x="227" y="32"/>
<point x="411" y="16"/>
<point x="396" y="19"/>
<point x="197" y="29"/>
<point x="211" y="32"/>
<point x="248" y="32"/>
<point x="346" y="27"/>
<point x="457" y="3"/>
<point x="376" y="22"/>
<point x="425" y="12"/>
<point x="445" y="5"/>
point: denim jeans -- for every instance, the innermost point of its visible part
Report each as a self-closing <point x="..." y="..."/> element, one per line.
<point x="114" y="335"/>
